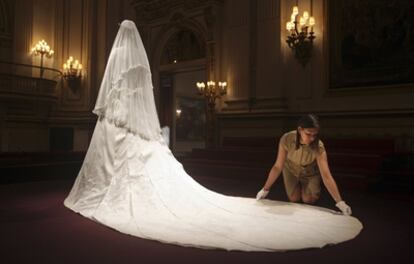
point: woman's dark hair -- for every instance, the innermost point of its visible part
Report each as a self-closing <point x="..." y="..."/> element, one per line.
<point x="308" y="121"/>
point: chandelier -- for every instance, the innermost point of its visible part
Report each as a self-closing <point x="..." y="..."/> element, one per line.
<point x="212" y="92"/>
<point x="301" y="35"/>
<point x="72" y="69"/>
<point x="42" y="49"/>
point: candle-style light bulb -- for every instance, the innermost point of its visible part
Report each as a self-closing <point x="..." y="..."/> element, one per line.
<point x="302" y="21"/>
<point x="311" y="21"/>
<point x="295" y="10"/>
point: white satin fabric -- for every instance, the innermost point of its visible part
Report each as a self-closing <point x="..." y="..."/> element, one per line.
<point x="126" y="96"/>
<point x="137" y="187"/>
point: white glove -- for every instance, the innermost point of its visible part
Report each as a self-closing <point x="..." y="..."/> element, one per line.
<point x="346" y="210"/>
<point x="262" y="194"/>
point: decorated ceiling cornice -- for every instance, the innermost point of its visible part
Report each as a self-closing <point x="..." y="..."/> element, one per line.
<point x="150" y="10"/>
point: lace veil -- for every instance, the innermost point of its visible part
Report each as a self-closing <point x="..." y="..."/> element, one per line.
<point x="126" y="94"/>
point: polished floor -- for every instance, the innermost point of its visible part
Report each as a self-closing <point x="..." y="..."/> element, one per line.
<point x="35" y="227"/>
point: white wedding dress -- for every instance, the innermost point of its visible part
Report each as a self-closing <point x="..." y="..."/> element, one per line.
<point x="131" y="182"/>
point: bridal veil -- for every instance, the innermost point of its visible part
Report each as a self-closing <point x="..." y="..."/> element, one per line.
<point x="126" y="94"/>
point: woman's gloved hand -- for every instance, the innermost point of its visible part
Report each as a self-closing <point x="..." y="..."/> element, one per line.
<point x="262" y="194"/>
<point x="346" y="210"/>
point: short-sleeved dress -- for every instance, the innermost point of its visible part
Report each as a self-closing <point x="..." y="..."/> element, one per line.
<point x="300" y="166"/>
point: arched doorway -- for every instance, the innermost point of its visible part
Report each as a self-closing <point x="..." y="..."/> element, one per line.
<point x="182" y="64"/>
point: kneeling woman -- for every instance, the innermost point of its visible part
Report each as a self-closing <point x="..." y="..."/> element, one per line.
<point x="300" y="155"/>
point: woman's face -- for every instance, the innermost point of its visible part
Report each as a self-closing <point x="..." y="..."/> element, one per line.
<point x="308" y="135"/>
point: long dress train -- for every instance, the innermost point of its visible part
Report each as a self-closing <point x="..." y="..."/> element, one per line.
<point x="137" y="187"/>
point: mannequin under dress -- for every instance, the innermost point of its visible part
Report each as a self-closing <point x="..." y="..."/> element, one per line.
<point x="131" y="182"/>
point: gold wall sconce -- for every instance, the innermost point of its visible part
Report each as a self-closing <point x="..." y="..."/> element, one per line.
<point x="72" y="69"/>
<point x="301" y="35"/>
<point x="42" y="49"/>
<point x="72" y="72"/>
<point x="212" y="92"/>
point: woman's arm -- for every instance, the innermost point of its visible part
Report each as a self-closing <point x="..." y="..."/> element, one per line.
<point x="276" y="168"/>
<point x="328" y="180"/>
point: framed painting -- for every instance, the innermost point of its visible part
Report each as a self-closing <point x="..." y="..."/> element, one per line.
<point x="371" y="43"/>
